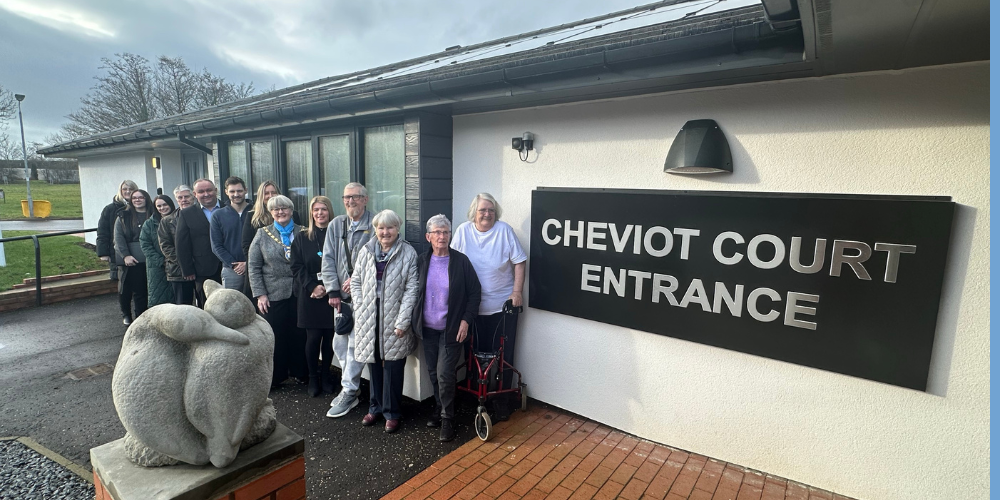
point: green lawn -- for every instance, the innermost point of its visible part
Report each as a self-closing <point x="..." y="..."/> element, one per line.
<point x="65" y="199"/>
<point x="60" y="255"/>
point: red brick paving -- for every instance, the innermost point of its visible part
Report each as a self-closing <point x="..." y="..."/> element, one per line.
<point x="543" y="453"/>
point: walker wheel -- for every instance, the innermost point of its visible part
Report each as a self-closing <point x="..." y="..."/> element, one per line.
<point x="483" y="425"/>
<point x="524" y="397"/>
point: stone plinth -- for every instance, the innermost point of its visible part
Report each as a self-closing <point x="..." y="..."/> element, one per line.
<point x="275" y="465"/>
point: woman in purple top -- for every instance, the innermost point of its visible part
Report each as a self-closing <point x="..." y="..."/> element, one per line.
<point x="447" y="304"/>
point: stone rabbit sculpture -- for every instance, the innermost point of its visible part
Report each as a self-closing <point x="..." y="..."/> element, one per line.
<point x="191" y="386"/>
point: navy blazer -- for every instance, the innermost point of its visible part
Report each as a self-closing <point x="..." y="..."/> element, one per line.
<point x="193" y="243"/>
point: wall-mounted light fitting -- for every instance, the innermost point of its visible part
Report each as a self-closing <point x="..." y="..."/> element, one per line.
<point x="699" y="148"/>
<point x="156" y="162"/>
<point x="523" y="144"/>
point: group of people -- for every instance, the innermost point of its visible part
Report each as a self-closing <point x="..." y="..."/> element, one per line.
<point x="345" y="285"/>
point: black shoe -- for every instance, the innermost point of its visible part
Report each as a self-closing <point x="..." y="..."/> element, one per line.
<point x="314" y="387"/>
<point x="434" y="422"/>
<point x="447" y="430"/>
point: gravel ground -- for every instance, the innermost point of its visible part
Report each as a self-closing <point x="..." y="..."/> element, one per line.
<point x="26" y="474"/>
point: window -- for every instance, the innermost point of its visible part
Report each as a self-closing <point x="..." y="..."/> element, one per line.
<point x="385" y="175"/>
<point x="238" y="161"/>
<point x="298" y="164"/>
<point x="334" y="166"/>
<point x="261" y="163"/>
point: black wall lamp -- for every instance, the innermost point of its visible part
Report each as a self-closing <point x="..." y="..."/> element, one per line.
<point x="699" y="148"/>
<point x="523" y="144"/>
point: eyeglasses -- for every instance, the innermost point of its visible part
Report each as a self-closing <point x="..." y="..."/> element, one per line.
<point x="487" y="210"/>
<point x="281" y="209"/>
<point x="440" y="233"/>
<point x="354" y="197"/>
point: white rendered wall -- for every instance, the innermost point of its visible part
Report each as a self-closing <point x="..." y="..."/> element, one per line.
<point x="171" y="172"/>
<point x="913" y="132"/>
<point x="100" y="177"/>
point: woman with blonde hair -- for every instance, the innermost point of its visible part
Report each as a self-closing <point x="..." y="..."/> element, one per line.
<point x="315" y="314"/>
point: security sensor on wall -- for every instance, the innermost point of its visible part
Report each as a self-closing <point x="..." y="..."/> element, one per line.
<point x="523" y="144"/>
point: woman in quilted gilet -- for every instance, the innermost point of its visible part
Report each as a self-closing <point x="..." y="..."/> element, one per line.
<point x="384" y="287"/>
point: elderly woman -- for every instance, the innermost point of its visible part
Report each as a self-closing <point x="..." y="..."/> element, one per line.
<point x="269" y="265"/>
<point x="447" y="305"/>
<point x="258" y="217"/>
<point x="130" y="258"/>
<point x="158" y="288"/>
<point x="384" y="289"/>
<point x="315" y="314"/>
<point x="499" y="260"/>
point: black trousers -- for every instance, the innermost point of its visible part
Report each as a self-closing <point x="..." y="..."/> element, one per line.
<point x="183" y="292"/>
<point x="319" y="350"/>
<point x="199" y="286"/>
<point x="289" y="341"/>
<point x="441" y="353"/>
<point x="132" y="289"/>
<point x="386" y="388"/>
<point x="489" y="329"/>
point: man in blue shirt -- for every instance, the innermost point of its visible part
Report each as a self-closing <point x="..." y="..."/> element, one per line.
<point x="193" y="239"/>
<point x="227" y="232"/>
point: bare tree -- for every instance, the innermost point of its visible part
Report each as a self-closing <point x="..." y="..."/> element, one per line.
<point x="9" y="148"/>
<point x="131" y="92"/>
<point x="8" y="106"/>
<point x="214" y="90"/>
<point x="176" y="86"/>
<point x="122" y="96"/>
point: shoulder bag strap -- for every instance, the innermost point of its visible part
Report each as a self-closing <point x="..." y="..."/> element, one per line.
<point x="347" y="248"/>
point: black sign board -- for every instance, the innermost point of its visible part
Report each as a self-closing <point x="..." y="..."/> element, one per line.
<point x="845" y="283"/>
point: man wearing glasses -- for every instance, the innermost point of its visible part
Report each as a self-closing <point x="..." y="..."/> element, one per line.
<point x="345" y="235"/>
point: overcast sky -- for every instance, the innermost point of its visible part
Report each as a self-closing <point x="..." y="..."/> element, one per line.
<point x="50" y="50"/>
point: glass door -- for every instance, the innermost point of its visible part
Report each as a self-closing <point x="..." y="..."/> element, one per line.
<point x="334" y="167"/>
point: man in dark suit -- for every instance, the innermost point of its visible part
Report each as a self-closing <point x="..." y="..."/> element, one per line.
<point x="193" y="239"/>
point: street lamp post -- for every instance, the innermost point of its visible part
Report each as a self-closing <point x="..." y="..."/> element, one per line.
<point x="24" y="152"/>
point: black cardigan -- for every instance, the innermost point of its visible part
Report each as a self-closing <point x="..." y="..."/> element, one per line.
<point x="307" y="259"/>
<point x="464" y="293"/>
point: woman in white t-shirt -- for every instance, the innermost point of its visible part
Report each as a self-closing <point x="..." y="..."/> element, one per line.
<point x="499" y="260"/>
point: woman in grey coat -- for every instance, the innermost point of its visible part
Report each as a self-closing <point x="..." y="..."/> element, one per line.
<point x="270" y="270"/>
<point x="384" y="288"/>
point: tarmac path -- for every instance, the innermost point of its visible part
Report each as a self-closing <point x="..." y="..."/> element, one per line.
<point x="39" y="346"/>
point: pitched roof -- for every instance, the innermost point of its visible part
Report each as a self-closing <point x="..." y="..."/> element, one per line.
<point x="622" y="46"/>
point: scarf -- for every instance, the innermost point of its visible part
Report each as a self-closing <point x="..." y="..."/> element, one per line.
<point x="285" y="232"/>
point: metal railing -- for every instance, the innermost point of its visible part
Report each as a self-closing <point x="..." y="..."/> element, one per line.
<point x="38" y="254"/>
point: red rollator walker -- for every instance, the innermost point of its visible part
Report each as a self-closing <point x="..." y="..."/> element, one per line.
<point x="485" y="370"/>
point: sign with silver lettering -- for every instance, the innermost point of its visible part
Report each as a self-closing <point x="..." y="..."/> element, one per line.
<point x="845" y="283"/>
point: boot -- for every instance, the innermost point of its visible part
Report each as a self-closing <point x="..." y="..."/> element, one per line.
<point x="315" y="388"/>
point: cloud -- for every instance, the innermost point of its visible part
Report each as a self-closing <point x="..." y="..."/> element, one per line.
<point x="67" y="19"/>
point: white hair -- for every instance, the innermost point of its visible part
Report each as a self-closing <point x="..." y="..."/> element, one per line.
<point x="438" y="220"/>
<point x="387" y="218"/>
<point x="357" y="185"/>
<point x="475" y="205"/>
